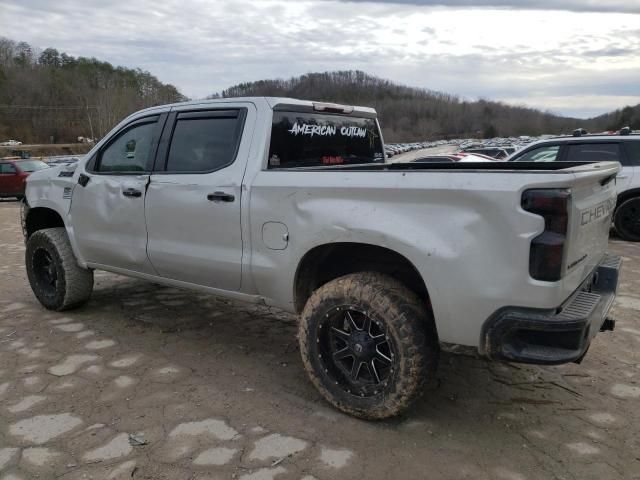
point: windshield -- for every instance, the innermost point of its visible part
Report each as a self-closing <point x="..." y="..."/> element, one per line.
<point x="32" y="165"/>
<point x="311" y="140"/>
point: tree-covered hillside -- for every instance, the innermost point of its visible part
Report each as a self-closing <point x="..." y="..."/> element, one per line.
<point x="625" y="117"/>
<point x="48" y="96"/>
<point x="410" y="114"/>
<point x="51" y="96"/>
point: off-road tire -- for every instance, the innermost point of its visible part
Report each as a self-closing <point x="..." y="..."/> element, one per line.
<point x="625" y="230"/>
<point x="409" y="326"/>
<point x="74" y="284"/>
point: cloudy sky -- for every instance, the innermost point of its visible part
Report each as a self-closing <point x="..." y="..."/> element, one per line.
<point x="573" y="57"/>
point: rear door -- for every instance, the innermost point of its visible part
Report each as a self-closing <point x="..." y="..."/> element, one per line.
<point x="600" y="152"/>
<point x="194" y="196"/>
<point x="107" y="205"/>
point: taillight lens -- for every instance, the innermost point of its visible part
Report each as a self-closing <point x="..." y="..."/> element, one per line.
<point x="547" y="249"/>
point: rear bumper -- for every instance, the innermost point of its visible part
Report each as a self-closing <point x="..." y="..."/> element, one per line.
<point x="555" y="336"/>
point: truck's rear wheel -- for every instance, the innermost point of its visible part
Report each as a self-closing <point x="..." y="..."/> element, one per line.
<point x="368" y="344"/>
<point x="627" y="220"/>
<point x="56" y="279"/>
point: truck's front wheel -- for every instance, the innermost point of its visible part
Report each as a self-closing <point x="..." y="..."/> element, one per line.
<point x="368" y="344"/>
<point x="56" y="279"/>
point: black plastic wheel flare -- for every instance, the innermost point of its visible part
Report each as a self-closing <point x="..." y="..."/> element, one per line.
<point x="355" y="351"/>
<point x="631" y="219"/>
<point x="45" y="271"/>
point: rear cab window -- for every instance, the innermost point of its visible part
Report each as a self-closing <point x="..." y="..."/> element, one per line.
<point x="319" y="139"/>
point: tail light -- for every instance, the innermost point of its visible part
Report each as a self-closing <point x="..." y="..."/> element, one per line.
<point x="332" y="108"/>
<point x="547" y="249"/>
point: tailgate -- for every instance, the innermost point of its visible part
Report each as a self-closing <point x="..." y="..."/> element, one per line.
<point x="593" y="199"/>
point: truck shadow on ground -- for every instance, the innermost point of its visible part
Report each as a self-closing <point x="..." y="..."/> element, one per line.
<point x="259" y="345"/>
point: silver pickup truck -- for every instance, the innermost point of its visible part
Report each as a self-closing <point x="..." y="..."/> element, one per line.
<point x="291" y="203"/>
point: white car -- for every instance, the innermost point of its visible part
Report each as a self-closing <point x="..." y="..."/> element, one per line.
<point x="10" y="143"/>
<point x="290" y="203"/>
<point x="623" y="147"/>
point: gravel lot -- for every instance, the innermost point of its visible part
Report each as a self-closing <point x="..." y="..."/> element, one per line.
<point x="149" y="382"/>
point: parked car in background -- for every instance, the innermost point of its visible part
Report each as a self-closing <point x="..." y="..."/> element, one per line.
<point x="623" y="147"/>
<point x="14" y="173"/>
<point x="493" y="152"/>
<point x="455" y="157"/>
<point x="62" y="160"/>
<point x="437" y="158"/>
<point x="10" y="143"/>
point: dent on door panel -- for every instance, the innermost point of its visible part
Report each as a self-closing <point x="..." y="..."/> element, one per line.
<point x="110" y="227"/>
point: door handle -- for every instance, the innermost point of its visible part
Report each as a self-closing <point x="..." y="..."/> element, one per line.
<point x="221" y="197"/>
<point x="132" y="193"/>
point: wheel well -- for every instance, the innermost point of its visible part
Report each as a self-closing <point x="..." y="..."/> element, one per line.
<point x="40" y="218"/>
<point x="328" y="262"/>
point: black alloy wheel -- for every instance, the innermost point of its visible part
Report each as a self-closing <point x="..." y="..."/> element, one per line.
<point x="45" y="271"/>
<point x="355" y="350"/>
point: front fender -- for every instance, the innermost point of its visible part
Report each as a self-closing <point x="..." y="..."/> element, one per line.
<point x="47" y="189"/>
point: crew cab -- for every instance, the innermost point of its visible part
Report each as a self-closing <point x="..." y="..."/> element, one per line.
<point x="623" y="147"/>
<point x="292" y="204"/>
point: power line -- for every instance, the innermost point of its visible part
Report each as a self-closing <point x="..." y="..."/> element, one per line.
<point x="48" y="107"/>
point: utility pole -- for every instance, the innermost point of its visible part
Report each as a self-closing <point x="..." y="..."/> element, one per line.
<point x="90" y="123"/>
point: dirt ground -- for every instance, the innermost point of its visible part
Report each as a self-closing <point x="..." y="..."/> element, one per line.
<point x="149" y="382"/>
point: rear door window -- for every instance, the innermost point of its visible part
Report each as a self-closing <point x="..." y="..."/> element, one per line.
<point x="594" y="152"/>
<point x="548" y="153"/>
<point x="313" y="140"/>
<point x="7" y="168"/>
<point x="203" y="142"/>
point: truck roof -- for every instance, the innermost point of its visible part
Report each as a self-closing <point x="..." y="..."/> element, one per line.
<point x="272" y="102"/>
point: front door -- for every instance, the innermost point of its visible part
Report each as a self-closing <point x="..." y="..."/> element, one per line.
<point x="107" y="206"/>
<point x="193" y="200"/>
